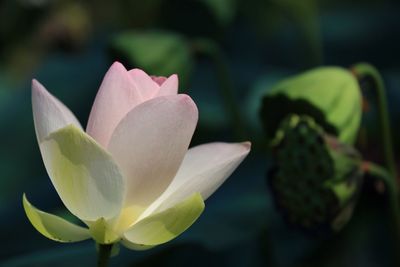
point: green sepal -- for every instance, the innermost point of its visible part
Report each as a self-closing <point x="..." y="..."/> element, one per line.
<point x="52" y="226"/>
<point x="102" y="232"/>
<point x="348" y="172"/>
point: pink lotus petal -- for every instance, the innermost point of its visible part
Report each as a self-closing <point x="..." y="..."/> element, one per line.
<point x="116" y="97"/>
<point x="145" y="84"/>
<point x="150" y="143"/>
<point x="170" y="86"/>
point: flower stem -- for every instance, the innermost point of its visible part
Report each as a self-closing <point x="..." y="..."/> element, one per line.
<point x="104" y="254"/>
<point x="386" y="177"/>
<point x="226" y="85"/>
<point x="363" y="71"/>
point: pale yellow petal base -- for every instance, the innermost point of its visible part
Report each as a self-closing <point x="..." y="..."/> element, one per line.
<point x="54" y="227"/>
<point x="164" y="226"/>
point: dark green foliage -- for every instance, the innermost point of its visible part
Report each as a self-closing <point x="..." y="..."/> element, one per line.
<point x="275" y="108"/>
<point x="308" y="172"/>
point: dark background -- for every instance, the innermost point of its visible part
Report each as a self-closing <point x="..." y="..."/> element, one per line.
<point x="250" y="44"/>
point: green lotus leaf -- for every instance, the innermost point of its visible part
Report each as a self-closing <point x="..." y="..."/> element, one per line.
<point x="224" y="10"/>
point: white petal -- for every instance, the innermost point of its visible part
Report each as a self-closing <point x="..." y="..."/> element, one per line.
<point x="49" y="114"/>
<point x="170" y="86"/>
<point x="116" y="97"/>
<point x="52" y="226"/>
<point x="85" y="176"/>
<point x="145" y="84"/>
<point x="150" y="143"/>
<point x="204" y="169"/>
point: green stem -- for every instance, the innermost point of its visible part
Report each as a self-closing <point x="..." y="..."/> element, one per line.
<point x="391" y="185"/>
<point x="364" y="70"/>
<point x="104" y="253"/>
<point x="226" y="85"/>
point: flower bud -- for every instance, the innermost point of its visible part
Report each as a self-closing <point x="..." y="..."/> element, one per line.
<point x="315" y="178"/>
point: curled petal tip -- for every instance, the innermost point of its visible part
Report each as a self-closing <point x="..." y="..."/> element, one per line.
<point x="36" y="85"/>
<point x="138" y="71"/>
<point x="174" y="78"/>
<point x="187" y="100"/>
<point x="117" y="63"/>
<point x="117" y="66"/>
<point x="247" y="144"/>
<point x="169" y="86"/>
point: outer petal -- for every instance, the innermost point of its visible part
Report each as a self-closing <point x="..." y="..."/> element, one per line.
<point x="150" y="143"/>
<point x="164" y="226"/>
<point x="54" y="227"/>
<point x="134" y="246"/>
<point x="116" y="97"/>
<point x="49" y="114"/>
<point x="170" y="86"/>
<point x="84" y="175"/>
<point x="148" y="88"/>
<point x="203" y="170"/>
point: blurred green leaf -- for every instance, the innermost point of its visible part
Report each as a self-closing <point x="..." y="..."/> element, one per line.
<point x="252" y="104"/>
<point x="295" y="22"/>
<point x="224" y="10"/>
<point x="330" y="95"/>
<point x="304" y="15"/>
<point x="158" y="53"/>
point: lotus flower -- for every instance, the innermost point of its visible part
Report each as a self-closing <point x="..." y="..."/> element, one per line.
<point x="130" y="177"/>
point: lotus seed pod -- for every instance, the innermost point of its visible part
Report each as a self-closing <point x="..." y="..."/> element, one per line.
<point x="330" y="95"/>
<point x="315" y="179"/>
